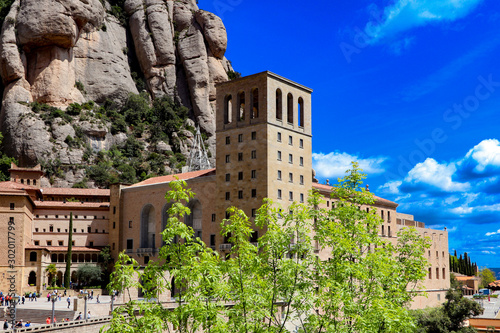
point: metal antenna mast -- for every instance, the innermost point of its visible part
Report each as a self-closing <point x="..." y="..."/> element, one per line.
<point x="198" y="159"/>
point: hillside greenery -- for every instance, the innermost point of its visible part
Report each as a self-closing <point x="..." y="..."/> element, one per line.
<point x="144" y="122"/>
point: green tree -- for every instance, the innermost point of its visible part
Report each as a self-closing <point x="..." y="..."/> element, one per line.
<point x="51" y="271"/>
<point x="365" y="284"/>
<point x="67" y="272"/>
<point x="450" y="317"/>
<point x="89" y="275"/>
<point x="487" y="276"/>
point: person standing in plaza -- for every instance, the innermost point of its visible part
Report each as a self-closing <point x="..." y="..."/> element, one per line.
<point x="69" y="301"/>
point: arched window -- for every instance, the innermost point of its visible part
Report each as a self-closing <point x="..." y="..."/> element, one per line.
<point x="33" y="256"/>
<point x="255" y="103"/>
<point x="74" y="257"/>
<point x="59" y="278"/>
<point x="241" y="106"/>
<point x="53" y="258"/>
<point x="279" y="105"/>
<point x="61" y="258"/>
<point x="194" y="219"/>
<point x="87" y="257"/>
<point x="228" y="109"/>
<point x="94" y="257"/>
<point x="32" y="279"/>
<point x="148" y="227"/>
<point x="289" y="102"/>
<point x="301" y="112"/>
<point x="81" y="257"/>
<point x="73" y="277"/>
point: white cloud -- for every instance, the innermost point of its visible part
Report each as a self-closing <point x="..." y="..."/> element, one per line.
<point x="391" y="187"/>
<point x="486" y="153"/>
<point x="488" y="252"/>
<point x="335" y="164"/>
<point x="407" y="14"/>
<point x="432" y="173"/>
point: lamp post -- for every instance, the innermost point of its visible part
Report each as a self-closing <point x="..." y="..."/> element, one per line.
<point x="85" y="297"/>
<point x="112" y="300"/>
<point x="53" y="298"/>
<point x="15" y="300"/>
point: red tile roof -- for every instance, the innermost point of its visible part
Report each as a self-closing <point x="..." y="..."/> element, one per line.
<point x="62" y="248"/>
<point x="183" y="176"/>
<point x="17" y="186"/>
<point x="75" y="191"/>
<point x="328" y="188"/>
<point x="68" y="204"/>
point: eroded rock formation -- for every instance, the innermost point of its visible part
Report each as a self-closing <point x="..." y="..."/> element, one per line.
<point x="63" y="51"/>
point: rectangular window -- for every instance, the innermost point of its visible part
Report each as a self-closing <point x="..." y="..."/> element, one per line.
<point x="279" y="174"/>
<point x="254" y="193"/>
<point x="228" y="195"/>
<point x="36" y="229"/>
<point x="227" y="215"/>
<point x="114" y="225"/>
<point x="437" y="273"/>
<point x="444" y="275"/>
<point x="279" y="136"/>
<point x="240" y="175"/>
<point x="130" y="224"/>
<point x="114" y="209"/>
<point x="12" y="206"/>
<point x="228" y="140"/>
<point x="213" y="217"/>
<point x="279" y="194"/>
<point x="301" y="162"/>
<point x="228" y="159"/>
<point x="228" y="177"/>
<point x="254" y="212"/>
<point x="89" y="230"/>
<point x="34" y="181"/>
<point x="130" y="244"/>
<point x="290" y="196"/>
<point x="61" y="243"/>
<point x="212" y="240"/>
<point x="279" y="155"/>
<point x="290" y="177"/>
<point x="301" y="197"/>
<point x="49" y="243"/>
<point x="290" y="140"/>
<point x="254" y="135"/>
<point x="73" y="243"/>
<point x="240" y="137"/>
<point x="240" y="156"/>
<point x="301" y="180"/>
<point x="301" y="143"/>
<point x="91" y="244"/>
<point x="290" y="158"/>
<point x="37" y="242"/>
<point x="254" y="154"/>
<point x="113" y="246"/>
<point x="254" y="174"/>
<point x="240" y="194"/>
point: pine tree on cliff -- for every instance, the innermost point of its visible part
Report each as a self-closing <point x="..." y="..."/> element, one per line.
<point x="67" y="273"/>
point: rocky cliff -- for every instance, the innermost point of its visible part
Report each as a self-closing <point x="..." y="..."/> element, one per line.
<point x="61" y="53"/>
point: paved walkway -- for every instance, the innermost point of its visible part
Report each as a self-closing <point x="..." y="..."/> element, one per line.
<point x="491" y="307"/>
<point x="43" y="304"/>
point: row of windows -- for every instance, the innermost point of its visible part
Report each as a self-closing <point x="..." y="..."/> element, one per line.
<point x="240" y="194"/>
<point x="28" y="181"/>
<point x="289" y="108"/>
<point x="290" y="140"/>
<point x="240" y="103"/>
<point x="437" y="273"/>
<point x="290" y="177"/>
<point x="290" y="158"/>
<point x="253" y="156"/>
<point x="290" y="196"/>
<point x="74" y="216"/>
<point x="253" y="175"/>
<point x="437" y="254"/>
<point x="240" y="138"/>
<point x="51" y="229"/>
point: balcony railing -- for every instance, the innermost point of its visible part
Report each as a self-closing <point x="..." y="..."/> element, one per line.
<point x="225" y="247"/>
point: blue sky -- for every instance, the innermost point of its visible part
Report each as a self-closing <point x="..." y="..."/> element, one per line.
<point x="410" y="89"/>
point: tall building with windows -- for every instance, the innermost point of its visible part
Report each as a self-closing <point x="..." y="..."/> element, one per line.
<point x="263" y="128"/>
